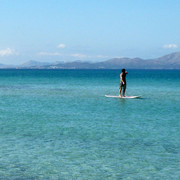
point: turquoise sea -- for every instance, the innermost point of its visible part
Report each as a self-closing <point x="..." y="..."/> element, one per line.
<point x="57" y="124"/>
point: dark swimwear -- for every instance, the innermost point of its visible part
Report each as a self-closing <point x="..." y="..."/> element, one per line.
<point x="124" y="79"/>
<point x="122" y="85"/>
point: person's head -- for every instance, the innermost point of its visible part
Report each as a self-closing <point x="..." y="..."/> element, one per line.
<point x="123" y="70"/>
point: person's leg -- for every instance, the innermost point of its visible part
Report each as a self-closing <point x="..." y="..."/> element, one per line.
<point x="124" y="90"/>
<point x="120" y="88"/>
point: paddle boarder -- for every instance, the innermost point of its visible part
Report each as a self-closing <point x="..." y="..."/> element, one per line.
<point x="123" y="82"/>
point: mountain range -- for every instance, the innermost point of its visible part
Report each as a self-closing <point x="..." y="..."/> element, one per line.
<point x="170" y="61"/>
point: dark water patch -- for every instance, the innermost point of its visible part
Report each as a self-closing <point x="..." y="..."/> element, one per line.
<point x="14" y="87"/>
<point x="171" y="148"/>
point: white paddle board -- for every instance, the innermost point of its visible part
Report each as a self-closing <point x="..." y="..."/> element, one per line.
<point x="123" y="97"/>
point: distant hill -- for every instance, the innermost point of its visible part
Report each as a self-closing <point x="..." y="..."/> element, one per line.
<point x="4" y="66"/>
<point x="170" y="61"/>
<point x="32" y="63"/>
<point x="117" y="63"/>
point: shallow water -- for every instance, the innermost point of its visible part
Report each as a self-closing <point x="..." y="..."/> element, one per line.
<point x="57" y="124"/>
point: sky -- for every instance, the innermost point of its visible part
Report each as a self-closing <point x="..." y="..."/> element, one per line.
<point x="87" y="30"/>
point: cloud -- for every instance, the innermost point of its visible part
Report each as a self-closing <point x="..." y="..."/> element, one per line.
<point x="170" y="46"/>
<point x="102" y="56"/>
<point x="8" y="52"/>
<point x="83" y="56"/>
<point x="61" y="46"/>
<point x="49" y="54"/>
<point x="79" y="55"/>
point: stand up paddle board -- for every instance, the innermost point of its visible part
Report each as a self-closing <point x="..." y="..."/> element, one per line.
<point x="123" y="97"/>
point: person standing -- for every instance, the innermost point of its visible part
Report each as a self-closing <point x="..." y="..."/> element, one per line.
<point x="123" y="82"/>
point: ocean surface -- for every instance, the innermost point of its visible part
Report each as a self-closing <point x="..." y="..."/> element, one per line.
<point x="57" y="124"/>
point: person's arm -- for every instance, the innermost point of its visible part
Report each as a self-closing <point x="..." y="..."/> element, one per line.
<point x="126" y="72"/>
